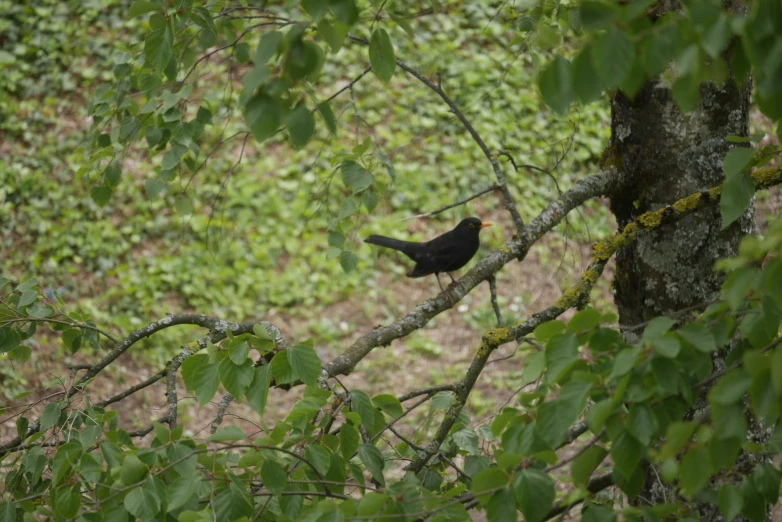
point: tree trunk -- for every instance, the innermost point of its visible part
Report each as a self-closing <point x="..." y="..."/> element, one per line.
<point x="665" y="155"/>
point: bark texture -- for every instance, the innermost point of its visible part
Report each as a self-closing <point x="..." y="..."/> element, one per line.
<point x="665" y="155"/>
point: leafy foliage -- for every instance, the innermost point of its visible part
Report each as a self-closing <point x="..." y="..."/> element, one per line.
<point x="328" y="458"/>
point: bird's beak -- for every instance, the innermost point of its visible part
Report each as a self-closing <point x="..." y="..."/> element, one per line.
<point x="484" y="225"/>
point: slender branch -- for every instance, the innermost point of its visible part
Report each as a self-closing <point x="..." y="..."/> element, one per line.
<point x="502" y="186"/>
<point x="221" y="407"/>
<point x="493" y="292"/>
<point x="72" y="324"/>
<point x="462" y="202"/>
<point x="577" y="295"/>
<point x="427" y="391"/>
<point x="576" y="454"/>
<point x="594" y="186"/>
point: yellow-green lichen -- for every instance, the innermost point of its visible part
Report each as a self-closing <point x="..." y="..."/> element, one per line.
<point x="688" y="204"/>
<point x="603" y="250"/>
<point x="496" y="337"/>
<point x="629" y="232"/>
<point x="590" y="277"/>
<point x="571" y="297"/>
<point x="611" y="158"/>
<point x="505" y="250"/>
<point x="651" y="220"/>
<point x="484" y="350"/>
<point x="715" y="192"/>
<point x="766" y="177"/>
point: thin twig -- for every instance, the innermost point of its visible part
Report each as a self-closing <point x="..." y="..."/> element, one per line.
<point x="462" y="202"/>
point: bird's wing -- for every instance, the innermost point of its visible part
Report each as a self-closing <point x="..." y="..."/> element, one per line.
<point x="434" y="257"/>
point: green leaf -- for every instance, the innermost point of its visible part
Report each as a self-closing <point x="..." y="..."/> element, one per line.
<point x="142" y="503"/>
<point x="140" y="7"/>
<point x="28" y="297"/>
<point x="274" y="477"/>
<point x="625" y="361"/>
<point x="731" y="388"/>
<point x="158" y="48"/>
<point x="534" y="493"/>
<point x="267" y="47"/>
<point x="597" y="513"/>
<point x="737" y="160"/>
<point x="7" y="512"/>
<point x="694" y="471"/>
<point x="236" y="378"/>
<point x="238" y="349"/>
<point x="658" y="49"/>
<point x="112" y="175"/>
<point x="333" y="35"/>
<point x="345" y="11"/>
<point x="305" y="362"/>
<point x="201" y="377"/>
<point x="676" y="437"/>
<point x="348" y="440"/>
<point x="51" y="414"/>
<point x="626" y="452"/>
<point x="348" y="261"/>
<point x="101" y="195"/>
<point x="487" y="481"/>
<point x="263" y="115"/>
<point x="776" y="371"/>
<point x="388" y="404"/>
<point x="716" y="36"/>
<point x="324" y="109"/>
<point x="667" y="346"/>
<point x="228" y="433"/>
<point x="373" y="460"/>
<point x="698" y="336"/>
<point x="370" y="199"/>
<point x="585" y="320"/>
<point x="467" y="440"/>
<point x="595" y="15"/>
<point x="371" y="504"/>
<point x="183" y="205"/>
<point x="360" y="403"/>
<point x="612" y="56"/>
<point x="258" y="391"/>
<point x="184" y="456"/>
<point x="561" y="355"/>
<point x="355" y="177"/>
<point x="686" y="92"/>
<point x="281" y="368"/>
<point x="154" y="187"/>
<point x="642" y="423"/>
<point x="585" y="464"/>
<point x="132" y="470"/>
<point x="242" y="52"/>
<point x="730" y="502"/>
<point x="181" y="490"/>
<point x="554" y="418"/>
<point x="555" y="85"/>
<point x="502" y="507"/>
<point x="300" y="124"/>
<point x="67" y="501"/>
<point x="381" y="55"/>
<point x="314" y="8"/>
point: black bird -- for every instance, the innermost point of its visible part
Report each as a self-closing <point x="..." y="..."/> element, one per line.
<point x="445" y="253"/>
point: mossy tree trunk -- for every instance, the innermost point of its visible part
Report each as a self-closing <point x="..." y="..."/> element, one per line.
<point x="665" y="155"/>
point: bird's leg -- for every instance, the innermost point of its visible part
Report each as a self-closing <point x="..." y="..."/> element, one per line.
<point x="438" y="281"/>
<point x="452" y="279"/>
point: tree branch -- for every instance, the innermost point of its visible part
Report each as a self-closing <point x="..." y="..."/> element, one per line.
<point x="593" y="186"/>
<point x="502" y="186"/>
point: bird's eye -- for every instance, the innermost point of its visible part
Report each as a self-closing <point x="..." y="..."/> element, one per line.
<point x="472" y="225"/>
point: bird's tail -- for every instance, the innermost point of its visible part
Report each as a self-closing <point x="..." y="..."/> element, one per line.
<point x="406" y="247"/>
